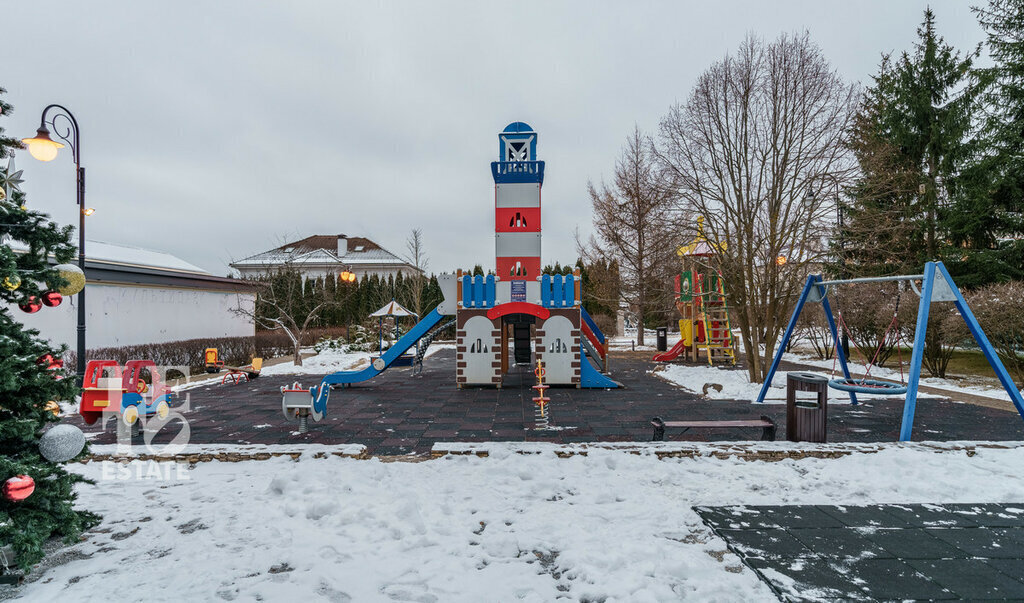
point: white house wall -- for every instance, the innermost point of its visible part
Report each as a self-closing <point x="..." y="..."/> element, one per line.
<point x="119" y="315"/>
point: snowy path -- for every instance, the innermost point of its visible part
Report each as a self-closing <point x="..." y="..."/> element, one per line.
<point x="610" y="526"/>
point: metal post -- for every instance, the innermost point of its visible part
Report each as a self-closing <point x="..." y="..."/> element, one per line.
<point x="917" y="356"/>
<point x="72" y="136"/>
<point x="983" y="343"/>
<point x="80" y="355"/>
<point x="811" y="280"/>
<point x="841" y="354"/>
<point x="842" y="267"/>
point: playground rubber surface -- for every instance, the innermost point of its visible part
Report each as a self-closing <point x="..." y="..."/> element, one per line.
<point x="398" y="413"/>
<point x="879" y="552"/>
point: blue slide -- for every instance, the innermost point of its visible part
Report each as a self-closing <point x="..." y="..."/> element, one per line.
<point x="379" y="365"/>
<point x="590" y="376"/>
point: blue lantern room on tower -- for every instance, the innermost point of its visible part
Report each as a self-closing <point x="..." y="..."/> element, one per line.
<point x="517" y="142"/>
<point x="517" y="156"/>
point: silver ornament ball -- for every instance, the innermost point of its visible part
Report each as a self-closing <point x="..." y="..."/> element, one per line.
<point x="61" y="443"/>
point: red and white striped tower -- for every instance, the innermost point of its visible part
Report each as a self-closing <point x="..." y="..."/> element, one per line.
<point x="518" y="177"/>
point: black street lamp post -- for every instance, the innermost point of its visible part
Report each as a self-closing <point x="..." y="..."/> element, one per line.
<point x="840" y="226"/>
<point x="44" y="148"/>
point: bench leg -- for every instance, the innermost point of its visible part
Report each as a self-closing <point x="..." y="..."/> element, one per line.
<point x="659" y="429"/>
<point x="768" y="432"/>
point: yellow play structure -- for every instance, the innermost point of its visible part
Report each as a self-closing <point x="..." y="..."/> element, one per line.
<point x="700" y="298"/>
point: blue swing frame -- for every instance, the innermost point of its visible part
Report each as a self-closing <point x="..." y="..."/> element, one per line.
<point x="816" y="290"/>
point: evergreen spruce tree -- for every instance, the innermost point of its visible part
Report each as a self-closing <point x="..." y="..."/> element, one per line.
<point x="26" y="386"/>
<point x="991" y="219"/>
<point x="912" y="141"/>
<point x="332" y="315"/>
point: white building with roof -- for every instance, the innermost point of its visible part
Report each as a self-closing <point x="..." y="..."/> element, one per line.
<point x="137" y="296"/>
<point x="320" y="255"/>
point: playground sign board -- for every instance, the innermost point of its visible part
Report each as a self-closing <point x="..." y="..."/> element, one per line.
<point x="518" y="291"/>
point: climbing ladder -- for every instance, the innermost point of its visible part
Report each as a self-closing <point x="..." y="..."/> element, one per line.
<point x="714" y="315"/>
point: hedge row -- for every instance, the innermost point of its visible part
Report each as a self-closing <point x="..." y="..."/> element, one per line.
<point x="235" y="351"/>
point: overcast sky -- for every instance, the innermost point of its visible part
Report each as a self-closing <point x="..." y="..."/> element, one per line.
<point x="215" y="130"/>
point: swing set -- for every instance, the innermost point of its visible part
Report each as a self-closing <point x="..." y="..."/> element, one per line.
<point x="936" y="285"/>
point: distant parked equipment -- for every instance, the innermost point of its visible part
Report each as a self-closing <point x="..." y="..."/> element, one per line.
<point x="213" y="362"/>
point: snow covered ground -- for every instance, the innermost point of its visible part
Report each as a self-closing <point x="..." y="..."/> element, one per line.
<point x="628" y="341"/>
<point x="736" y="385"/>
<point x="327" y="361"/>
<point x="611" y="526"/>
<point x="988" y="387"/>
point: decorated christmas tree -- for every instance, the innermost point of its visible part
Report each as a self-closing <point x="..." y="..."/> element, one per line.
<point x="37" y="492"/>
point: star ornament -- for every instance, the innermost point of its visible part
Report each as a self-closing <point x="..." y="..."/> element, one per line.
<point x="10" y="179"/>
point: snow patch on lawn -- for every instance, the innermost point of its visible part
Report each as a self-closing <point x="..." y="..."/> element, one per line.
<point x="331" y="361"/>
<point x="608" y="526"/>
<point x="327" y="361"/>
<point x="989" y="388"/>
<point x="736" y="385"/>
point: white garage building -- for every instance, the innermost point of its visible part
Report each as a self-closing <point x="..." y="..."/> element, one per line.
<point x="138" y="296"/>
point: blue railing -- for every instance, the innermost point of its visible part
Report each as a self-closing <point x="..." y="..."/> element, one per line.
<point x="477" y="291"/>
<point x="557" y="291"/>
<point x="511" y="172"/>
<point x="593" y="325"/>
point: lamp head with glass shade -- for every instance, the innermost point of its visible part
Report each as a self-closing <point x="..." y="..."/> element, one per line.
<point x="42" y="147"/>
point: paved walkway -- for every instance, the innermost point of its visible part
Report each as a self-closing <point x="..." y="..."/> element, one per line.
<point x="879" y="552"/>
<point x="398" y="413"/>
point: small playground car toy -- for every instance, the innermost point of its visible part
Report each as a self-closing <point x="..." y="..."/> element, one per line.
<point x="108" y="388"/>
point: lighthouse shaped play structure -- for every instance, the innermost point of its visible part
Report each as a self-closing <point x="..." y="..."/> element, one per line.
<point x="518" y="315"/>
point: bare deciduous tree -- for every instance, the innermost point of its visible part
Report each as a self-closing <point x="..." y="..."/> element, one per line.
<point x="633" y="220"/>
<point x="282" y="304"/>
<point x="418" y="258"/>
<point x="759" y="132"/>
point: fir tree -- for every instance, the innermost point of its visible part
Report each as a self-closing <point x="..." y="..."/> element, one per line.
<point x="27" y="387"/>
<point x="912" y="141"/>
<point x="991" y="219"/>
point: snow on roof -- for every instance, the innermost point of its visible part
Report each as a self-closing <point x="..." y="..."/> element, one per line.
<point x="392" y="308"/>
<point x="323" y="249"/>
<point x="125" y="255"/>
<point x="101" y="251"/>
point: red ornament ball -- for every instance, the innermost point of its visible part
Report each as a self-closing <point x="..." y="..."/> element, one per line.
<point x="18" y="488"/>
<point x="50" y="362"/>
<point x="31" y="306"/>
<point x="52" y="298"/>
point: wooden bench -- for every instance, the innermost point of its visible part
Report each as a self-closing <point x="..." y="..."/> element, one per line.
<point x="766" y="424"/>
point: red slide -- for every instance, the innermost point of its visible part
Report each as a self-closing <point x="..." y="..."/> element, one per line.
<point x="671" y="354"/>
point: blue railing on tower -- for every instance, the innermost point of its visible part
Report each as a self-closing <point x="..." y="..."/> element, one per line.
<point x="477" y="291"/>
<point x="593" y="325"/>
<point x="557" y="291"/>
<point x="511" y="172"/>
